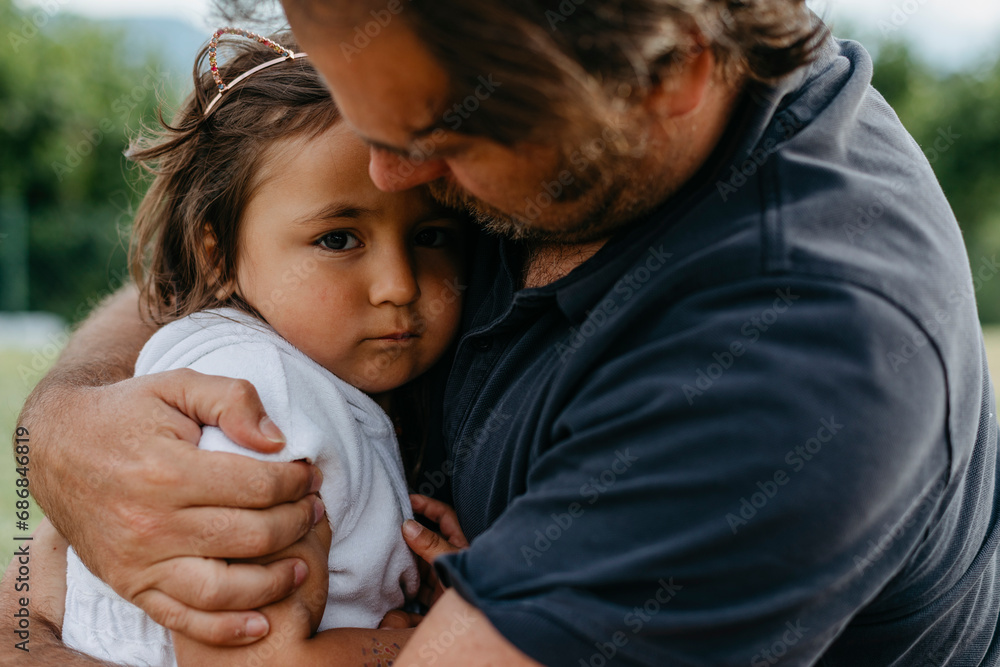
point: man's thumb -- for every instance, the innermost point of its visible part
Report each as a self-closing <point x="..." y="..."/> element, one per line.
<point x="425" y="543"/>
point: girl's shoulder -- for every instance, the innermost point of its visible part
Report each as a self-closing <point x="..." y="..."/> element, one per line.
<point x="182" y="342"/>
<point x="231" y="343"/>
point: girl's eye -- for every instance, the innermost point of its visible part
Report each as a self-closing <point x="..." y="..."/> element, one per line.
<point x="339" y="241"/>
<point x="432" y="237"/>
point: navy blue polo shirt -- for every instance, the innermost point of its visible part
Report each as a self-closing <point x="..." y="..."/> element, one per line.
<point x="757" y="427"/>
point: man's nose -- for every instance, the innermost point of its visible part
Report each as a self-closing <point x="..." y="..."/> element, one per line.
<point x="391" y="173"/>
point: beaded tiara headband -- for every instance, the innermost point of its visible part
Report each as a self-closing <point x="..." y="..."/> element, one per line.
<point x="285" y="54"/>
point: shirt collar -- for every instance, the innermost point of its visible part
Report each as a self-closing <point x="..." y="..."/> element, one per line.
<point x="577" y="292"/>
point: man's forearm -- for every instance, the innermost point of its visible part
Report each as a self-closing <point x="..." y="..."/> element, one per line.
<point x="45" y="649"/>
<point x="102" y="351"/>
<point x="31" y="612"/>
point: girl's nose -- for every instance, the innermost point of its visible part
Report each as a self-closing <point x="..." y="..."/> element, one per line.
<point x="394" y="281"/>
<point x="391" y="173"/>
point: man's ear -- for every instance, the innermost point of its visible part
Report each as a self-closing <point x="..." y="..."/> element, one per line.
<point x="684" y="85"/>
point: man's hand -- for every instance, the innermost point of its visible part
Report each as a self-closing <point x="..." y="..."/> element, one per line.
<point x="150" y="513"/>
<point x="473" y="639"/>
<point x="428" y="545"/>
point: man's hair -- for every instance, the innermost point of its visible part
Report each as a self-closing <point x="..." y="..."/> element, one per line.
<point x="565" y="68"/>
<point x="205" y="172"/>
<point x="574" y="62"/>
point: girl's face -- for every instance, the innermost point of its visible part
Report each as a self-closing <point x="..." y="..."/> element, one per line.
<point x="367" y="283"/>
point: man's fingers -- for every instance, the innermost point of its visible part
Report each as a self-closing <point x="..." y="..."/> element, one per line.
<point x="215" y="585"/>
<point x="232" y="405"/>
<point x="429" y="594"/>
<point x="223" y="628"/>
<point x="429" y="583"/>
<point x="234" y="480"/>
<point x="232" y="532"/>
<point x="425" y="543"/>
<point x="443" y="515"/>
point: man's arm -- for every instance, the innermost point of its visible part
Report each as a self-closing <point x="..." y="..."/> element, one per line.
<point x="454" y="633"/>
<point x="44" y="601"/>
<point x="116" y="469"/>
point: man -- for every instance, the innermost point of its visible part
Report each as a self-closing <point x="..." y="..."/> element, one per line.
<point x="721" y="397"/>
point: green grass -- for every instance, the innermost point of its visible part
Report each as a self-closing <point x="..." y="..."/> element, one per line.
<point x="20" y="370"/>
<point x="992" y="335"/>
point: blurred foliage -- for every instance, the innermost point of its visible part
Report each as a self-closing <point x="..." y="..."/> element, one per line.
<point x="966" y="105"/>
<point x="69" y="96"/>
<point x="19" y="371"/>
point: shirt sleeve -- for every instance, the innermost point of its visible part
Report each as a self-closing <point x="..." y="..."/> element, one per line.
<point x="318" y="424"/>
<point x="729" y="486"/>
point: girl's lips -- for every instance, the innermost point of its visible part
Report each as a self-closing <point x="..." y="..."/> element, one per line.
<point x="403" y="335"/>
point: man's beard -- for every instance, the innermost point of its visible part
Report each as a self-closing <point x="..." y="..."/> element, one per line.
<point x="597" y="194"/>
<point x="489" y="217"/>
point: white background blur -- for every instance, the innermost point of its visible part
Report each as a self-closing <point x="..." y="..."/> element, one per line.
<point x="948" y="33"/>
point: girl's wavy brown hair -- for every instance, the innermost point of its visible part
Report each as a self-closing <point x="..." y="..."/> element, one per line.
<point x="185" y="237"/>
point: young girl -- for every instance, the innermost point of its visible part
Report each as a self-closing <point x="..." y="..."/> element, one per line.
<point x="269" y="255"/>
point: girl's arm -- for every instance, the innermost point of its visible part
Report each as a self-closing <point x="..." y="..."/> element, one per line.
<point x="293" y="622"/>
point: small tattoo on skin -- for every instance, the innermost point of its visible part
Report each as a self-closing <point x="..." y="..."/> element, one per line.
<point x="382" y="654"/>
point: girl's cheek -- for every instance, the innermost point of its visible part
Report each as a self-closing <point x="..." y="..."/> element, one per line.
<point x="458" y="266"/>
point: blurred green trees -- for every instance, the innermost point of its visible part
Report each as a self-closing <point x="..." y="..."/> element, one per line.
<point x="966" y="105"/>
<point x="70" y="94"/>
<point x="67" y="94"/>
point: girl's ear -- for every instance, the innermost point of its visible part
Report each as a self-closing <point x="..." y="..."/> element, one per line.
<point x="208" y="243"/>
<point x="213" y="263"/>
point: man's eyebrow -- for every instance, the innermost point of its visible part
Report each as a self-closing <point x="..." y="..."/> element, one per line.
<point x="334" y="211"/>
<point x="395" y="150"/>
<point x="430" y="129"/>
<point x="414" y="135"/>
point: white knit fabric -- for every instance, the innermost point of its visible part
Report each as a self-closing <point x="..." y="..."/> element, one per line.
<point x="325" y="420"/>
